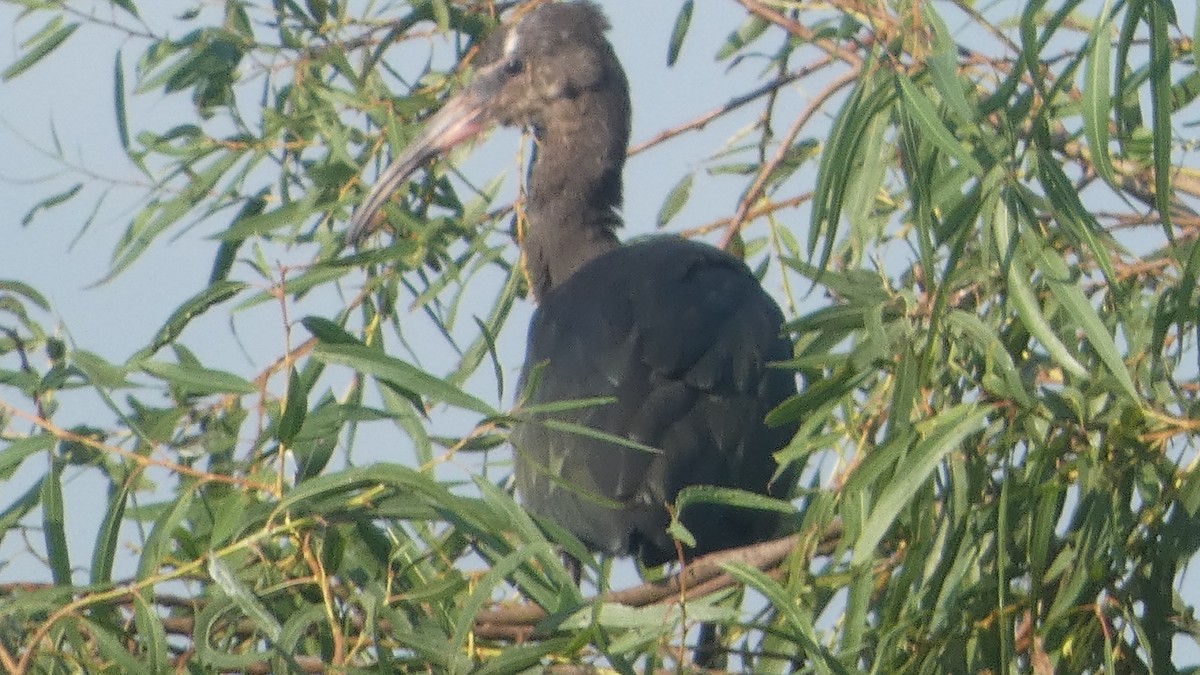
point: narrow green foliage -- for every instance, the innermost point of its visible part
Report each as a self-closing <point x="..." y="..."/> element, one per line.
<point x="38" y="47"/>
<point x="976" y="218"/>
<point x="683" y="21"/>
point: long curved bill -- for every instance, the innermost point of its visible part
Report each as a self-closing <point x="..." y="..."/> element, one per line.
<point x="459" y="119"/>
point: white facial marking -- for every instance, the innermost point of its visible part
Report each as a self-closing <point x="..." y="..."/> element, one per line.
<point x="510" y="43"/>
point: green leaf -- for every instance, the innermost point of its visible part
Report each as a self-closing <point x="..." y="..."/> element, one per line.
<point x="49" y="38"/>
<point x="590" y="432"/>
<point x="50" y="202"/>
<point x="294" y="409"/>
<point x="21" y="506"/>
<point x="483" y="588"/>
<point x="1000" y="366"/>
<point x="111" y="645"/>
<point x="191" y="308"/>
<point x="244" y="597"/>
<point x="679" y="31"/>
<point x="675" y="200"/>
<point x="14" y="453"/>
<point x="97" y="371"/>
<point x="151" y="635"/>
<point x="865" y="187"/>
<point x="128" y="6"/>
<point x="751" y="29"/>
<point x="152" y="221"/>
<point x="441" y="14"/>
<point x="338" y="488"/>
<point x="197" y="379"/>
<point x="328" y="332"/>
<point x="320" y="8"/>
<point x="1196" y="39"/>
<point x="709" y="494"/>
<point x="1022" y="299"/>
<point x="158" y="542"/>
<point x="1068" y="293"/>
<point x="1096" y="93"/>
<point x="547" y="559"/>
<point x="921" y="111"/>
<point x="108" y="537"/>
<point x="254" y="225"/>
<point x="405" y="376"/>
<point x="1160" y="103"/>
<point x="316" y="276"/>
<point x="1075" y="217"/>
<point x="940" y="435"/>
<point x="214" y="652"/>
<point x="843" y="145"/>
<point x="943" y="70"/>
<point x="119" y="103"/>
<point x="803" y="625"/>
<point x="26" y="291"/>
<point x="54" y="525"/>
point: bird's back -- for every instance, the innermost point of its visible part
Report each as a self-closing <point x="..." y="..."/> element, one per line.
<point x="678" y="335"/>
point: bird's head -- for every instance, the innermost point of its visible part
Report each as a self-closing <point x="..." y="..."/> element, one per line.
<point x="551" y="67"/>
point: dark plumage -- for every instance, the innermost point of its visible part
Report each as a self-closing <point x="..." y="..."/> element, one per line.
<point x="678" y="333"/>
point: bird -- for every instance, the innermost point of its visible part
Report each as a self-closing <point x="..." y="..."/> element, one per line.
<point x="673" y="344"/>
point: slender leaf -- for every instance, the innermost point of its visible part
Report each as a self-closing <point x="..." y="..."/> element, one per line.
<point x="42" y="47"/>
<point x="921" y="111"/>
<point x="940" y="437"/>
<point x="1097" y="93"/>
<point x="682" y="21"/>
<point x="372" y="362"/>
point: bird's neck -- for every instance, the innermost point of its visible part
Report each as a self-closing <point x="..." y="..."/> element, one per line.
<point x="574" y="193"/>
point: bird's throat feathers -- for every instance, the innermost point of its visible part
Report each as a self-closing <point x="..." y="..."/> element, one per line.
<point x="573" y="202"/>
<point x="558" y="241"/>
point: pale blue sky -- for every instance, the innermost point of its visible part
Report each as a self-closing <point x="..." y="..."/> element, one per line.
<point x="72" y="93"/>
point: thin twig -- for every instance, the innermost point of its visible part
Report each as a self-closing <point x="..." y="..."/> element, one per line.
<point x="64" y="435"/>
<point x="764" y="174"/>
<point x="702" y="120"/>
<point x="803" y="32"/>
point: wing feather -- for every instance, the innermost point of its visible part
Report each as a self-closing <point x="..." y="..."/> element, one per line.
<point x="679" y="334"/>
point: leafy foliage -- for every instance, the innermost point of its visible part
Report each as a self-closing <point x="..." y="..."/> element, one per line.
<point x="1001" y="385"/>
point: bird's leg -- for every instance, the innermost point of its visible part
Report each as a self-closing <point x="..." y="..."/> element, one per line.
<point x="709" y="653"/>
<point x="574" y="567"/>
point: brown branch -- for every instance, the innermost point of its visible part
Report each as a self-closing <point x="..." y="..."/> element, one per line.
<point x="508" y="624"/>
<point x="764" y="174"/>
<point x="803" y="32"/>
<point x="1122" y="221"/>
<point x="754" y="214"/>
<point x="64" y="435"/>
<point x="7" y="660"/>
<point x="699" y="571"/>
<point x="729" y="106"/>
<point x="699" y="577"/>
<point x="307" y="664"/>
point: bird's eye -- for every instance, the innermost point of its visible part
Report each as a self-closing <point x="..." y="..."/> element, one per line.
<point x="514" y="66"/>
